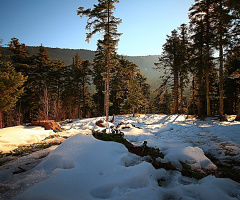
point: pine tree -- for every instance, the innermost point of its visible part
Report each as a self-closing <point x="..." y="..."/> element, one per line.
<point x="76" y="95"/>
<point x="234" y="7"/>
<point x="20" y="57"/>
<point x="170" y="62"/>
<point x="222" y="23"/>
<point x="184" y="66"/>
<point x="101" y="19"/>
<point x="132" y="88"/>
<point x="11" y="83"/>
<point x="38" y="81"/>
<point x="56" y="83"/>
<point x="85" y="80"/>
<point x="232" y="82"/>
<point x="201" y="27"/>
<point x="99" y="63"/>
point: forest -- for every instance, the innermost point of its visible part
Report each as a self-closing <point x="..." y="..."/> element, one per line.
<point x="202" y="57"/>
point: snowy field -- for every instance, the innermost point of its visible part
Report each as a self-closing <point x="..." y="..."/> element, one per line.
<point x="84" y="168"/>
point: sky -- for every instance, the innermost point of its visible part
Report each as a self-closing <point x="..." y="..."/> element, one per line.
<point x="55" y="23"/>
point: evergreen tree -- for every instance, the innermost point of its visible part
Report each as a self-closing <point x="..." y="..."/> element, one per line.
<point x="222" y="22"/>
<point x="234" y="7"/>
<point x="56" y="79"/>
<point x="133" y="93"/>
<point x="170" y="62"/>
<point x="101" y="19"/>
<point x="99" y="64"/>
<point x="21" y="61"/>
<point x="144" y="93"/>
<point x="232" y="82"/>
<point x="11" y="83"/>
<point x="38" y="82"/>
<point x="184" y="63"/>
<point x="20" y="57"/>
<point x="132" y="88"/>
<point x="201" y="27"/>
<point x="163" y="102"/>
<point x="76" y="95"/>
<point x="85" y="80"/>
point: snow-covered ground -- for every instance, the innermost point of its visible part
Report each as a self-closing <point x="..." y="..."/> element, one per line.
<point x="85" y="168"/>
<point x="13" y="137"/>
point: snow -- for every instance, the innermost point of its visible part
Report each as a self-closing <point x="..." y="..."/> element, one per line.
<point x="83" y="167"/>
<point x="13" y="137"/>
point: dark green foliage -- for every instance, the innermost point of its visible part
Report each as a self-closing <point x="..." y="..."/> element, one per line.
<point x="174" y="62"/>
<point x="232" y="83"/>
<point x="132" y="88"/>
<point x="162" y="103"/>
<point x="77" y="100"/>
<point x="20" y="57"/>
<point x="101" y="19"/>
<point x="11" y="87"/>
<point x="51" y="86"/>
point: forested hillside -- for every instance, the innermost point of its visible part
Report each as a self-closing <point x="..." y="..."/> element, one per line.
<point x="200" y="59"/>
<point x="145" y="63"/>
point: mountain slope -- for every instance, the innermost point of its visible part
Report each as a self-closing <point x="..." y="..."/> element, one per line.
<point x="145" y="63"/>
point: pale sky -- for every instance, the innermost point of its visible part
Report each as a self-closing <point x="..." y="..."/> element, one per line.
<point x="55" y="23"/>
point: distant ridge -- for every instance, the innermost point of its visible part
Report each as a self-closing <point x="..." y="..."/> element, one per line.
<point x="145" y="63"/>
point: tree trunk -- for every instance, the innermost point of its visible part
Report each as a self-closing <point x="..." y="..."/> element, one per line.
<point x="1" y="119"/>
<point x="200" y="94"/>
<point x="84" y="106"/>
<point x="78" y="106"/>
<point x="221" y="70"/>
<point x="238" y="113"/>
<point x="221" y="84"/>
<point x="207" y="94"/>
<point x="208" y="60"/>
<point x="181" y="94"/>
<point x="108" y="64"/>
<point x="175" y="111"/>
<point x="19" y="113"/>
<point x="193" y="98"/>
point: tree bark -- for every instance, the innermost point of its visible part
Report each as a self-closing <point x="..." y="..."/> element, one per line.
<point x="208" y="60"/>
<point x="221" y="67"/>
<point x="238" y="113"/>
<point x="181" y="94"/>
<point x="193" y="98"/>
<point x="108" y="64"/>
<point x="207" y="94"/>
<point x="175" y="90"/>
<point x="221" y="83"/>
<point x="1" y="119"/>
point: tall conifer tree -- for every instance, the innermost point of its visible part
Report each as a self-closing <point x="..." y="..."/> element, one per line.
<point x="101" y="19"/>
<point x="11" y="83"/>
<point x="222" y="23"/>
<point x="201" y="27"/>
<point x="170" y="61"/>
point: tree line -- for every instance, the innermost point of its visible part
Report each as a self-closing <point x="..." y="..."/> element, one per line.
<point x="37" y="88"/>
<point x="204" y="56"/>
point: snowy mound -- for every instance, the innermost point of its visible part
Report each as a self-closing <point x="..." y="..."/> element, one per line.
<point x="86" y="168"/>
